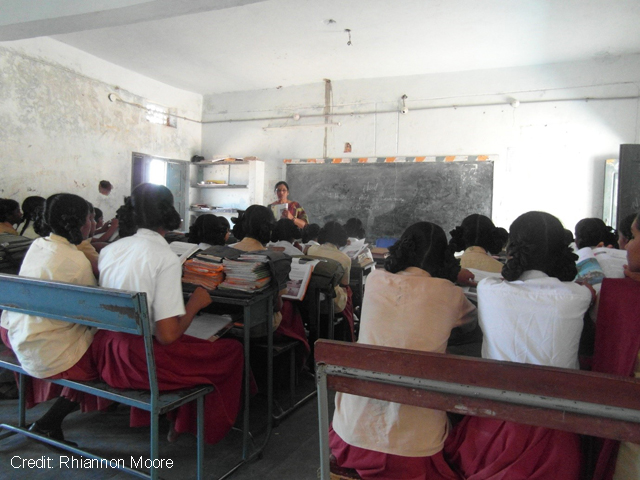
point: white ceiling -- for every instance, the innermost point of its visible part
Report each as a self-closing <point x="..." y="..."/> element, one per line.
<point x="214" y="46"/>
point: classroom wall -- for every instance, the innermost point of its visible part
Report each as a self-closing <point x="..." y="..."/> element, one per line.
<point x="551" y="152"/>
<point x="60" y="132"/>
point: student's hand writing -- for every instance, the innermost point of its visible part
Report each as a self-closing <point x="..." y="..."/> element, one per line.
<point x="200" y="298"/>
<point x="465" y="278"/>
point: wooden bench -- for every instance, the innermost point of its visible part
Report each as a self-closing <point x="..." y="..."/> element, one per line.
<point x="582" y="402"/>
<point x="109" y="309"/>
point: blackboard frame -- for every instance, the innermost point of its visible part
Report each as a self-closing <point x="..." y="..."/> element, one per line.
<point x="389" y="197"/>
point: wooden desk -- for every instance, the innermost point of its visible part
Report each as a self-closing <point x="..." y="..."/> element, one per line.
<point x="587" y="403"/>
<point x="356" y="282"/>
<point x="257" y="310"/>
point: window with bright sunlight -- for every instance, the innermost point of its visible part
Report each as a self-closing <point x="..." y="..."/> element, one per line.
<point x="158" y="172"/>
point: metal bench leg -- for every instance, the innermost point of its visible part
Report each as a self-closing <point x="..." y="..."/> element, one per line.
<point x="154" y="450"/>
<point x="200" y="413"/>
<point x="323" y="420"/>
<point x="292" y="377"/>
<point x="22" y="402"/>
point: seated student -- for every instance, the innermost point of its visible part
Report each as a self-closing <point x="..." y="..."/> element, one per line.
<point x="354" y="228"/>
<point x="87" y="247"/>
<point x="253" y="229"/>
<point x="593" y="234"/>
<point x="624" y="230"/>
<point x="284" y="234"/>
<point x="332" y="237"/>
<point x="10" y="215"/>
<point x="617" y="351"/>
<point x="479" y="237"/>
<point x="30" y="208"/>
<point x="144" y="262"/>
<point x="534" y="315"/>
<point x="50" y="348"/>
<point x="310" y="236"/>
<point x="411" y="304"/>
<point x="99" y="218"/>
<point x="209" y="230"/>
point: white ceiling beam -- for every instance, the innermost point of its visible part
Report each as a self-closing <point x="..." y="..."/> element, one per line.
<point x="21" y="19"/>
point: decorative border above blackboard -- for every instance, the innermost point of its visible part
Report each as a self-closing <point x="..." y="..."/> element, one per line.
<point x="446" y="158"/>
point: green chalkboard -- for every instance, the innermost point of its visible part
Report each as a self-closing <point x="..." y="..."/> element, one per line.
<point x="628" y="181"/>
<point x="388" y="197"/>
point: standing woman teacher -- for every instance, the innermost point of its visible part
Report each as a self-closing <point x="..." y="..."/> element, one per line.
<point x="294" y="210"/>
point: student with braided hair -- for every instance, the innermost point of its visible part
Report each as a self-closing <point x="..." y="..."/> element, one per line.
<point x="593" y="232"/>
<point x="411" y="304"/>
<point x="142" y="261"/>
<point x="253" y="229"/>
<point x="209" y="230"/>
<point x="284" y="234"/>
<point x="49" y="348"/>
<point x="595" y="239"/>
<point x="30" y="207"/>
<point x="534" y="315"/>
<point x="478" y="237"/>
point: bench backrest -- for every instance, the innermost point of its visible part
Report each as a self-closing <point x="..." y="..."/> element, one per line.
<point x="105" y="308"/>
<point x="572" y="400"/>
<point x="110" y="309"/>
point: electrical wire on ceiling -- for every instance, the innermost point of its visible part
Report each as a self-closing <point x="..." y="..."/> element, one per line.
<point x="113" y="97"/>
<point x="327" y="114"/>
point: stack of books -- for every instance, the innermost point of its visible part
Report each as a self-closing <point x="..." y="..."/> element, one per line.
<point x="379" y="254"/>
<point x="203" y="270"/>
<point x="359" y="253"/>
<point x="249" y="273"/>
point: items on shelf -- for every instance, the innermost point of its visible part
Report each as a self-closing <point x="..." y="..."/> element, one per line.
<point x="223" y="159"/>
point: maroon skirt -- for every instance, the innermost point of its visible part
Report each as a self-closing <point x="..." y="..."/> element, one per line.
<point x="187" y="362"/>
<point x="40" y="390"/>
<point x="488" y="449"/>
<point x="384" y="466"/>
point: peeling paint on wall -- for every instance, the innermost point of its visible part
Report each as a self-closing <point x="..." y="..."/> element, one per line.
<point x="59" y="132"/>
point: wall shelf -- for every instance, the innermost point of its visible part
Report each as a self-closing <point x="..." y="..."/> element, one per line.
<point x="243" y="186"/>
<point x="220" y="162"/>
<point x="217" y="185"/>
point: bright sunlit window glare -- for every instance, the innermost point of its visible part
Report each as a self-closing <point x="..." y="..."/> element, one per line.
<point x="160" y="115"/>
<point x="158" y="172"/>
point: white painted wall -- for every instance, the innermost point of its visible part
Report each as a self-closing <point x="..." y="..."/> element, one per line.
<point x="551" y="152"/>
<point x="60" y="133"/>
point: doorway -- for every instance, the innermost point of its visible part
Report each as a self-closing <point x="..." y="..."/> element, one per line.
<point x="172" y="174"/>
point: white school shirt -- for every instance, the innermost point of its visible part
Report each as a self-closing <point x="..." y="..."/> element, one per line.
<point x="611" y="261"/>
<point x="536" y="319"/>
<point x="44" y="346"/>
<point x="145" y="263"/>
